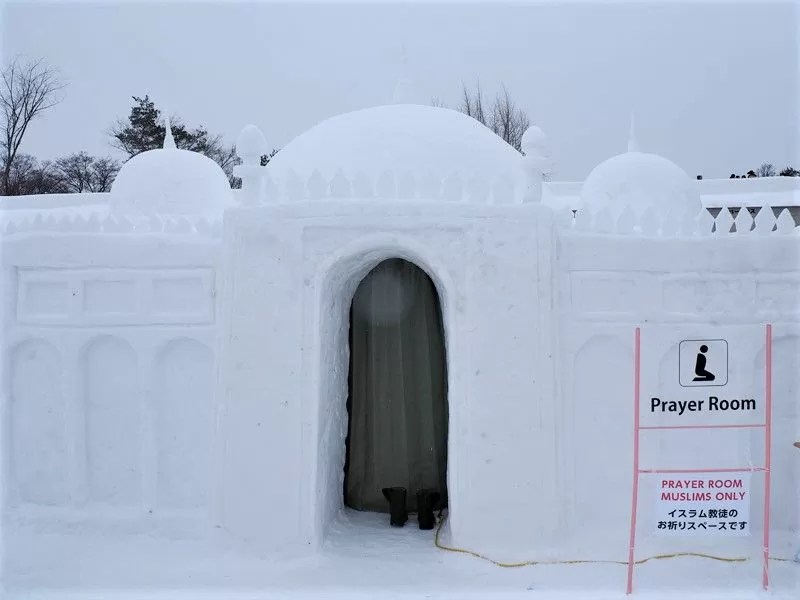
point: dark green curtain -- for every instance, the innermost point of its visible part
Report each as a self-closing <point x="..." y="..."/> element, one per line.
<point x="397" y="433"/>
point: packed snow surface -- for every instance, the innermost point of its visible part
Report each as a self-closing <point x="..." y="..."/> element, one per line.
<point x="362" y="558"/>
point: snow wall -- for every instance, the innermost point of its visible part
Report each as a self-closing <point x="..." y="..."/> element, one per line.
<point x="111" y="330"/>
<point x="608" y="285"/>
<point x="108" y="351"/>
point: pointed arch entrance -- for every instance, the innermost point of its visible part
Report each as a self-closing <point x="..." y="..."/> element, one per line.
<point x="397" y="388"/>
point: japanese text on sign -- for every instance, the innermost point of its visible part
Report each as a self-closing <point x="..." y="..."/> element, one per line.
<point x="690" y="504"/>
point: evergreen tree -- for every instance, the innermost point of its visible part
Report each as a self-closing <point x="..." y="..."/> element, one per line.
<point x="144" y="130"/>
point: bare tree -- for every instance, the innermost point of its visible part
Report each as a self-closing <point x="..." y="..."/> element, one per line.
<point x="80" y="173"/>
<point x="20" y="173"/>
<point x="75" y="172"/>
<point x="27" y="88"/>
<point x="224" y="156"/>
<point x="28" y="176"/>
<point x="503" y="117"/>
<point x="105" y="170"/>
<point x="766" y="170"/>
<point x="508" y="120"/>
<point x="44" y="180"/>
<point x="472" y="104"/>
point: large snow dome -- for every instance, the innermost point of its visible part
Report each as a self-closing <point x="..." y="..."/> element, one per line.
<point x="169" y="181"/>
<point x="641" y="180"/>
<point x="399" y="138"/>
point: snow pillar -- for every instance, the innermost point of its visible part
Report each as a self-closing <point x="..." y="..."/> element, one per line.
<point x="535" y="163"/>
<point x="251" y="146"/>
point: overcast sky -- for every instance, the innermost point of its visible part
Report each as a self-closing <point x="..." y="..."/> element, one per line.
<point x="714" y="85"/>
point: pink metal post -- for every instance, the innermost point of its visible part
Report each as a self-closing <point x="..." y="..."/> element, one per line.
<point x="635" y="501"/>
<point x="768" y="454"/>
<point x="723" y="470"/>
<point x="748" y="426"/>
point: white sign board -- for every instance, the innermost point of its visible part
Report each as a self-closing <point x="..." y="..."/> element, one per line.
<point x="702" y="376"/>
<point x="689" y="504"/>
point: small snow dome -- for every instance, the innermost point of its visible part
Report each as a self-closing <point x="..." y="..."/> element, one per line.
<point x="251" y="145"/>
<point x="402" y="139"/>
<point x="534" y="141"/>
<point x="169" y="181"/>
<point x="640" y="180"/>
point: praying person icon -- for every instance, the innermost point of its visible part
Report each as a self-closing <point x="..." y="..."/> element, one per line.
<point x="700" y="371"/>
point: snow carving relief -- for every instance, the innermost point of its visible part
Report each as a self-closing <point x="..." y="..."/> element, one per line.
<point x="184" y="423"/>
<point x="39" y="425"/>
<point x="44" y="300"/>
<point x="595" y="292"/>
<point x="602" y="372"/>
<point x="90" y="297"/>
<point x="113" y="413"/>
<point x="720" y="295"/>
<point x="109" y="297"/>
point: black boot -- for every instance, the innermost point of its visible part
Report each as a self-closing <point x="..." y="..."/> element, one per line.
<point x="397" y="505"/>
<point x="426" y="501"/>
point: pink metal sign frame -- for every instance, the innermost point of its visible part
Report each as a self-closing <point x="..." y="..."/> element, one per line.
<point x="637" y="471"/>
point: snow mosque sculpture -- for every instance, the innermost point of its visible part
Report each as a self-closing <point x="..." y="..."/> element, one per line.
<point x="183" y="357"/>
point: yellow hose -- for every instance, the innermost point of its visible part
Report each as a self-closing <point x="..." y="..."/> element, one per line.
<point x="583" y="562"/>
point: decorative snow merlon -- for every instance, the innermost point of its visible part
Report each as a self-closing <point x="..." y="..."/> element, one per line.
<point x="387" y="185"/>
<point x="675" y="224"/>
<point x="112" y="224"/>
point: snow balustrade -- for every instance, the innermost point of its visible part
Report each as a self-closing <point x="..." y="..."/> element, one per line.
<point x="669" y="223"/>
<point x="114" y="224"/>
<point x="386" y="185"/>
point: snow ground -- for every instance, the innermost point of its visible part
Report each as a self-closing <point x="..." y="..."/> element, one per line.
<point x="363" y="558"/>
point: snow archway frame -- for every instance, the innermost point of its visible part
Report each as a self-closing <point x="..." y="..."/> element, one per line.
<point x="337" y="282"/>
<point x="288" y="268"/>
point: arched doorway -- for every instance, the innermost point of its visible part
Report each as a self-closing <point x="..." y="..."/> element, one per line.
<point x="397" y="388"/>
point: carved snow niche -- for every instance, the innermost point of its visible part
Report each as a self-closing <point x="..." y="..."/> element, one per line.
<point x="39" y="432"/>
<point x="184" y="424"/>
<point x="113" y="422"/>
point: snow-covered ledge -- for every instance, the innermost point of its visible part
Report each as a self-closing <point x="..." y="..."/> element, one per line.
<point x="288" y="284"/>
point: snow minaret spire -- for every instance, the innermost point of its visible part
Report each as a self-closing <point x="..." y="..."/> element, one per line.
<point x="169" y="141"/>
<point x="633" y="143"/>
<point x="404" y="88"/>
